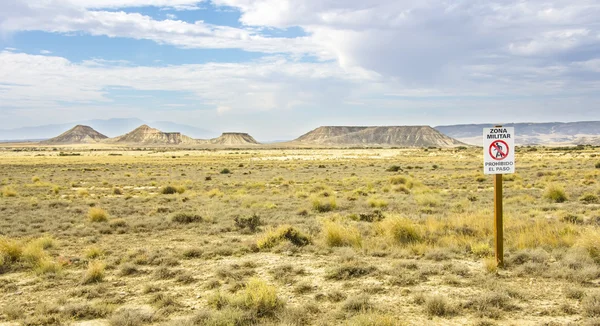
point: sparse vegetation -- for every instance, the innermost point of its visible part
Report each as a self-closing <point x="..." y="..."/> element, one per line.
<point x="284" y="241"/>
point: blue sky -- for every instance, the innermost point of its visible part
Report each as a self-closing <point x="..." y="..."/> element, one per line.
<point x="277" y="69"/>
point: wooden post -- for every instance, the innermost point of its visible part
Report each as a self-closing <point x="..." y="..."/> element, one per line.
<point x="498" y="225"/>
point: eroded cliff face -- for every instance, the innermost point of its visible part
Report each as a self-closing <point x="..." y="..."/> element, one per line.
<point x="77" y="135"/>
<point x="147" y="135"/>
<point x="401" y="136"/>
<point x="234" y="138"/>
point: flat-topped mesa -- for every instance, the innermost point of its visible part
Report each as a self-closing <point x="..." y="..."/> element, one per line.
<point x="79" y="134"/>
<point x="145" y="134"/>
<point x="234" y="138"/>
<point x="401" y="136"/>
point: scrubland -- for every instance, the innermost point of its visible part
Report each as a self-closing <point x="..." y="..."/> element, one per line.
<point x="296" y="237"/>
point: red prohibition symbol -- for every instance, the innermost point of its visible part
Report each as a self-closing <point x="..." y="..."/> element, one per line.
<point x="500" y="148"/>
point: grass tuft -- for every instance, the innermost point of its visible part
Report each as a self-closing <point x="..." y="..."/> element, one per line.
<point x="271" y="238"/>
<point x="96" y="214"/>
<point x="94" y="273"/>
<point x="338" y="235"/>
<point x="400" y="230"/>
<point x="555" y="194"/>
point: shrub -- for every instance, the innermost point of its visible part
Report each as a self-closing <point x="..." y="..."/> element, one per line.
<point x="190" y="253"/>
<point x="555" y="194"/>
<point x="428" y="200"/>
<point x="597" y="165"/>
<point x="377" y="202"/>
<point x="589" y="199"/>
<point x="591" y="305"/>
<point x="185" y="218"/>
<point x="251" y="223"/>
<point x="358" y="303"/>
<point x="401" y="230"/>
<point x="324" y="205"/>
<point x="225" y="171"/>
<point x="261" y="297"/>
<point x="128" y="269"/>
<point x="171" y="190"/>
<point x="394" y="168"/>
<point x="35" y="179"/>
<point x="96" y="214"/>
<point x="117" y="223"/>
<point x="349" y="271"/>
<point x="47" y="266"/>
<point x="10" y="250"/>
<point x="373" y="319"/>
<point x="32" y="254"/>
<point x="94" y="273"/>
<point x="215" y="193"/>
<point x="284" y="233"/>
<point x="94" y="252"/>
<point x="131" y="317"/>
<point x="438" y="306"/>
<point x="117" y="191"/>
<point x="398" y="180"/>
<point x="9" y="191"/>
<point x="257" y="297"/>
<point x="338" y="235"/>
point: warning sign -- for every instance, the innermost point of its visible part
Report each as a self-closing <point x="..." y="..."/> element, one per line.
<point x="498" y="150"/>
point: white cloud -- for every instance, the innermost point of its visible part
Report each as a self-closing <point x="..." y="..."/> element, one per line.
<point x="45" y="52"/>
<point x="267" y="84"/>
<point x="59" y="16"/>
<point x="374" y="54"/>
<point x="101" y="4"/>
<point x="223" y="109"/>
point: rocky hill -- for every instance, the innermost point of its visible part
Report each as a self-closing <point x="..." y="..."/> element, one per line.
<point x="233" y="139"/>
<point x="401" y="136"/>
<point x="551" y="133"/>
<point x="150" y="136"/>
<point x="77" y="135"/>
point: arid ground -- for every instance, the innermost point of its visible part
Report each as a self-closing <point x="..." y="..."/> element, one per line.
<point x="296" y="237"/>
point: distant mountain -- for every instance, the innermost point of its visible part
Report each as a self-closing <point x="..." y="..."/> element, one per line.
<point x="150" y="136"/>
<point x="550" y="133"/>
<point x="77" y="135"/>
<point x="109" y="127"/>
<point x="401" y="136"/>
<point x="234" y="138"/>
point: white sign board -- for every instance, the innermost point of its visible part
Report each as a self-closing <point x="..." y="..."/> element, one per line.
<point x="499" y="150"/>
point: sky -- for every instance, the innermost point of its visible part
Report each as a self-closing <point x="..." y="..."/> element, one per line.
<point x="279" y="68"/>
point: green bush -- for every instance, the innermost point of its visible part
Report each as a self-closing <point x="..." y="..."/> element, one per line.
<point x="284" y="233"/>
<point x="555" y="193"/>
<point x="251" y="223"/>
<point x="324" y="205"/>
<point x="394" y="168"/>
<point x="589" y="199"/>
<point x="171" y="190"/>
<point x="401" y="230"/>
<point x="225" y="171"/>
<point x="185" y="218"/>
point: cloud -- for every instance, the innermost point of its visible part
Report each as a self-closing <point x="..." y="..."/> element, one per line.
<point x="428" y="42"/>
<point x="60" y="16"/>
<point x="267" y="84"/>
<point x="223" y="109"/>
<point x="45" y="52"/>
<point x="176" y="4"/>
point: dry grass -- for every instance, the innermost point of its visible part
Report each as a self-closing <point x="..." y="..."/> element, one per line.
<point x="96" y="214"/>
<point x="330" y="233"/>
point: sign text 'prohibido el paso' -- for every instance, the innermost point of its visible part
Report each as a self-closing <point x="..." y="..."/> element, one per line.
<point x="499" y="150"/>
